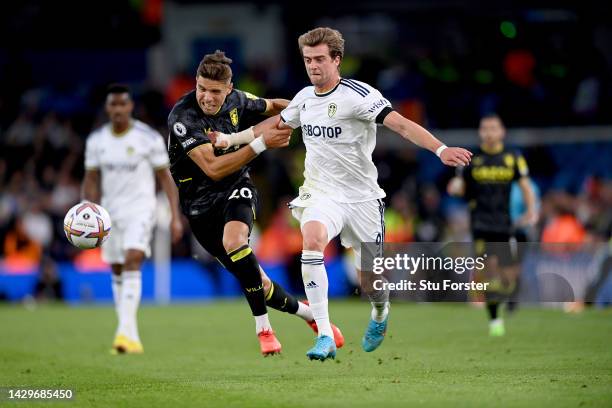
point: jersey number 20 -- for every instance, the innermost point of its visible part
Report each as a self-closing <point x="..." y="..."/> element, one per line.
<point x="243" y="192"/>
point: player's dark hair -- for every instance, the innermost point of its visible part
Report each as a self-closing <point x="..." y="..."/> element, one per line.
<point x="323" y="35"/>
<point x="118" y="89"/>
<point x="215" y="67"/>
<point x="492" y="115"/>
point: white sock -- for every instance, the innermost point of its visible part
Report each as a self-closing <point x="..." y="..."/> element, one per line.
<point x="380" y="303"/>
<point x="321" y="316"/>
<point x="380" y="311"/>
<point x="131" y="292"/>
<point x="116" y="285"/>
<point x="315" y="285"/>
<point x="304" y="312"/>
<point x="262" y="323"/>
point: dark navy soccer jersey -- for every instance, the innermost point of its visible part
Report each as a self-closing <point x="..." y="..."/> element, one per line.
<point x="188" y="127"/>
<point x="488" y="181"/>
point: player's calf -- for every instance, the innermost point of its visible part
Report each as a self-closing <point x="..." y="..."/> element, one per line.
<point x="377" y="327"/>
<point x="243" y="264"/>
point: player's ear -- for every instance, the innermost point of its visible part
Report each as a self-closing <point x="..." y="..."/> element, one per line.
<point x="230" y="86"/>
<point x="107" y="103"/>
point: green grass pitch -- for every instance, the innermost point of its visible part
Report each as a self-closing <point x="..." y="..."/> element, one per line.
<point x="205" y="355"/>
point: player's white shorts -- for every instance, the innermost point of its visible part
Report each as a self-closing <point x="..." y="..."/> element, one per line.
<point x="355" y="222"/>
<point x="128" y="233"/>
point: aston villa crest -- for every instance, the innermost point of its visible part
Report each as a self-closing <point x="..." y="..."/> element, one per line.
<point x="234" y="116"/>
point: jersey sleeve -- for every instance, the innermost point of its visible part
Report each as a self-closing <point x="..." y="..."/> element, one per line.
<point x="184" y="126"/>
<point x="291" y="114"/>
<point x="371" y="106"/>
<point x="92" y="159"/>
<point x="522" y="170"/>
<point x="254" y="104"/>
<point x="159" y="154"/>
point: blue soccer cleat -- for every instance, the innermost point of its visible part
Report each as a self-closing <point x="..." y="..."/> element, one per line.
<point x="324" y="348"/>
<point x="374" y="335"/>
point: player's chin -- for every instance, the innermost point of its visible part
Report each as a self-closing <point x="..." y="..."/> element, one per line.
<point x="315" y="79"/>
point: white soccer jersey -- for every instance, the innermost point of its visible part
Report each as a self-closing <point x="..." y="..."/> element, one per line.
<point x="127" y="163"/>
<point x="339" y="131"/>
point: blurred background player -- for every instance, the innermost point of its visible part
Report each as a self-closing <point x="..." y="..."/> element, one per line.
<point x="123" y="159"/>
<point x="340" y="194"/>
<point x="486" y="184"/>
<point x="215" y="189"/>
<point x="522" y="232"/>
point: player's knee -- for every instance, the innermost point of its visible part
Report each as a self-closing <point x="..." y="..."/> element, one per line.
<point x="117" y="269"/>
<point x="133" y="260"/>
<point x="232" y="242"/>
<point x="314" y="239"/>
<point x="267" y="283"/>
<point x="132" y="265"/>
<point x="314" y="243"/>
<point x="235" y="235"/>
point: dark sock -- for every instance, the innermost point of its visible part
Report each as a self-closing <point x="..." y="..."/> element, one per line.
<point x="279" y="299"/>
<point x="492" y="308"/>
<point x="243" y="264"/>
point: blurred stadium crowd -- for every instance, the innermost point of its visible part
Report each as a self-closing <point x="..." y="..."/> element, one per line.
<point x="535" y="68"/>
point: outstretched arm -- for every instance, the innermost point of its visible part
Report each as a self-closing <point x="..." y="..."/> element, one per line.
<point x="167" y="184"/>
<point x="275" y="106"/>
<point x="225" y="141"/>
<point x="90" y="190"/>
<point x="218" y="167"/>
<point x="531" y="216"/>
<point x="409" y="130"/>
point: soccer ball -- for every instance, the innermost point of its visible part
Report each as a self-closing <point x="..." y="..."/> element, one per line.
<point x="87" y="225"/>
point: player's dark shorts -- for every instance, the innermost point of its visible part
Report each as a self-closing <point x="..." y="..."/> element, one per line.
<point x="499" y="244"/>
<point x="240" y="204"/>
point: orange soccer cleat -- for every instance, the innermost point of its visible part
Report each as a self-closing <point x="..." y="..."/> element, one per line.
<point x="338" y="337"/>
<point x="268" y="343"/>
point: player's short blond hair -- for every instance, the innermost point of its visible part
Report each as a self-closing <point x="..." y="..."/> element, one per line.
<point x="215" y="67"/>
<point x="323" y="35"/>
